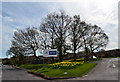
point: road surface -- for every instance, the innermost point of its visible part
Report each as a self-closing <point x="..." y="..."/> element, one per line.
<point x="0" y="71"/>
<point x="11" y="73"/>
<point x="107" y="69"/>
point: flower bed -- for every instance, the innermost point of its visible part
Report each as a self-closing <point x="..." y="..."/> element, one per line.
<point x="66" y="65"/>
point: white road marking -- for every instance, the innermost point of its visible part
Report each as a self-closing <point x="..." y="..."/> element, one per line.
<point x="85" y="75"/>
<point x="30" y="75"/>
<point x="114" y="66"/>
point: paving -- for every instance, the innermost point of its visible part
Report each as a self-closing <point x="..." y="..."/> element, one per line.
<point x="107" y="69"/>
<point x="11" y="73"/>
<point x="0" y="72"/>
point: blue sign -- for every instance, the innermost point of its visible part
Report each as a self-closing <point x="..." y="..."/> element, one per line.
<point x="52" y="52"/>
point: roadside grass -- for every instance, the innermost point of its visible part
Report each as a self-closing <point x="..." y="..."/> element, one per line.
<point x="112" y="57"/>
<point x="82" y="59"/>
<point x="31" y="66"/>
<point x="95" y="59"/>
<point x="78" y="71"/>
<point x="77" y="60"/>
<point x="67" y="68"/>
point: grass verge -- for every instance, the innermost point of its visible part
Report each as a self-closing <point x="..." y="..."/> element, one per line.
<point x="111" y="57"/>
<point x="78" y="71"/>
<point x="31" y="66"/>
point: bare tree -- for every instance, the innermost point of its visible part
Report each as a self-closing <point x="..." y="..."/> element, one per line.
<point x="57" y="24"/>
<point x="47" y="32"/>
<point x="93" y="38"/>
<point x="9" y="53"/>
<point x="84" y="35"/>
<point x="64" y="48"/>
<point x="44" y="40"/>
<point x="75" y="34"/>
<point x="97" y="39"/>
<point x="17" y="52"/>
<point x="27" y="39"/>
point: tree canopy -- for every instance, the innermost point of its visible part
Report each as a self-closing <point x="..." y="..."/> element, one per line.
<point x="60" y="31"/>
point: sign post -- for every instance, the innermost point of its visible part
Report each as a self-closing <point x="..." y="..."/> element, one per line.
<point x="50" y="53"/>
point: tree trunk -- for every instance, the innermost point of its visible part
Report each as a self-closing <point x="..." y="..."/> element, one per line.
<point x="92" y="54"/>
<point x="60" y="56"/>
<point x="52" y="46"/>
<point x="36" y="59"/>
<point x="75" y="56"/>
<point x="86" y="56"/>
<point x="86" y="51"/>
<point x="60" y="52"/>
<point x="75" y="52"/>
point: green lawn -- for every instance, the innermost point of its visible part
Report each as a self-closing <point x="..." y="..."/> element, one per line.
<point x="67" y="68"/>
<point x="31" y="66"/>
<point x="111" y="57"/>
<point x="78" y="71"/>
<point x="96" y="59"/>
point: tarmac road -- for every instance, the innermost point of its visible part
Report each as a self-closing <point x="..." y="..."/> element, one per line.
<point x="11" y="73"/>
<point x="107" y="69"/>
<point x="0" y="72"/>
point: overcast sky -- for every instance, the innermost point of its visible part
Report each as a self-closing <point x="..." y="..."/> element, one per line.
<point x="19" y="15"/>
